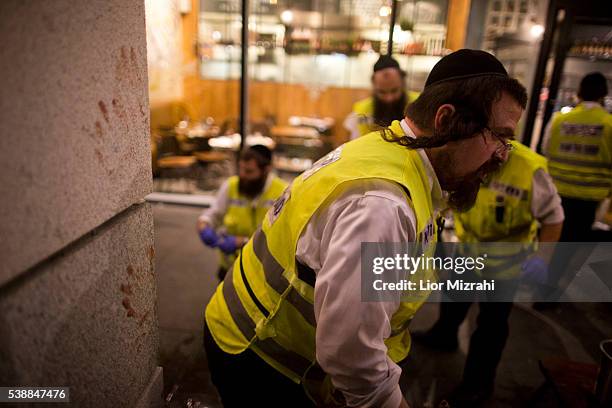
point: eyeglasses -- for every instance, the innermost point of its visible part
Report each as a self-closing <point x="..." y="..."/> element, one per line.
<point x="506" y="146"/>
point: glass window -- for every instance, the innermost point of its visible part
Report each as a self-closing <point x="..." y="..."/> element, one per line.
<point x="332" y="42"/>
<point x="309" y="62"/>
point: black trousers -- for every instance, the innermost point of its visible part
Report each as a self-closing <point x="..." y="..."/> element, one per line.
<point x="245" y="380"/>
<point x="487" y="342"/>
<point x="579" y="216"/>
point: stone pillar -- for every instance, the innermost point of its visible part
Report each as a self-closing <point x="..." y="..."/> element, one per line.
<point x="77" y="284"/>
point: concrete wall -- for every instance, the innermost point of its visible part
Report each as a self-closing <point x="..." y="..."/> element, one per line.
<point x="77" y="285"/>
<point x="75" y="137"/>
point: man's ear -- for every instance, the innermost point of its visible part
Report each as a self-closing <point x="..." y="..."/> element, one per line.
<point x="443" y="113"/>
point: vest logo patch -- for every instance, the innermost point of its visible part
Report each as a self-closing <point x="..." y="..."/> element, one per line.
<point x="589" y="150"/>
<point x="427" y="234"/>
<point x="365" y="120"/>
<point x="509" y="190"/>
<point x="574" y="129"/>
<point x="326" y="160"/>
<point x="278" y="205"/>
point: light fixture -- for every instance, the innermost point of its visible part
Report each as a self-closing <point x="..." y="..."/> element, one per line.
<point x="216" y="35"/>
<point x="536" y="30"/>
<point x="385" y="11"/>
<point x="286" y="17"/>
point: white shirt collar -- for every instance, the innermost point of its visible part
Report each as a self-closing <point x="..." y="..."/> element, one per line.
<point x="438" y="196"/>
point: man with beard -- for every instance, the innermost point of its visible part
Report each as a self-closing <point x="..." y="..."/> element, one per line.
<point x="516" y="207"/>
<point x="288" y="326"/>
<point x="240" y="205"/>
<point x="578" y="144"/>
<point x="387" y="103"/>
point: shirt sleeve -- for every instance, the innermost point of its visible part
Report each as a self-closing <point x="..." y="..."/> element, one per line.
<point x="546" y="137"/>
<point x="545" y="201"/>
<point x="213" y="215"/>
<point x="351" y="123"/>
<point x="384" y="215"/>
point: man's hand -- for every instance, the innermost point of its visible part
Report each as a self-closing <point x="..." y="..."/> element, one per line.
<point x="209" y="237"/>
<point x="228" y="244"/>
<point x="201" y="224"/>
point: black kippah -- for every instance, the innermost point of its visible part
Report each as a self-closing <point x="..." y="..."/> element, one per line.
<point x="262" y="151"/>
<point x="384" y="62"/>
<point x="593" y="87"/>
<point x="465" y="64"/>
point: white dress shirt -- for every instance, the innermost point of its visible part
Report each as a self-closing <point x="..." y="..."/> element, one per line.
<point x="350" y="333"/>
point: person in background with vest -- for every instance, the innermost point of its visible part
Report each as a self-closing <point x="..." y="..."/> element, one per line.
<point x="578" y="145"/>
<point x="387" y="103"/>
<point x="288" y="326"/>
<point x="518" y="200"/>
<point x="240" y="205"/>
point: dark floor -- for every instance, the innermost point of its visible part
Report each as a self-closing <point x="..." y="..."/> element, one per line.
<point x="186" y="273"/>
<point x="186" y="279"/>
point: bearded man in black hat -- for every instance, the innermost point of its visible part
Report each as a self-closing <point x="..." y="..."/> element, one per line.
<point x="387" y="103"/>
<point x="288" y="326"/>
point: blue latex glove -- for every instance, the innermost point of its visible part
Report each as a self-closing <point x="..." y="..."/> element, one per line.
<point x="228" y="244"/>
<point x="209" y="237"/>
<point x="535" y="269"/>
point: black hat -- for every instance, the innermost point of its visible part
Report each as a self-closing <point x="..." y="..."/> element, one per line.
<point x="464" y="64"/>
<point x="262" y="151"/>
<point x="593" y="87"/>
<point x="384" y="62"/>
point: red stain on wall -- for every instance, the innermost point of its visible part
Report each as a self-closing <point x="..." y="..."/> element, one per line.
<point x="126" y="288"/>
<point x="118" y="109"/>
<point x="103" y="109"/>
<point x="99" y="156"/>
<point x="143" y="318"/>
<point x="127" y="306"/>
<point x="99" y="131"/>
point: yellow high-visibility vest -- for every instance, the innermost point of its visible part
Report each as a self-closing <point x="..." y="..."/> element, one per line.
<point x="502" y="213"/>
<point x="364" y="110"/>
<point x="580" y="153"/>
<point x="243" y="216"/>
<point x="266" y="301"/>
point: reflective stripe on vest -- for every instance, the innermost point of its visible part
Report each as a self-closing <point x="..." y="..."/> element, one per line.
<point x="580" y="153"/>
<point x="266" y="302"/>
<point x="583" y="163"/>
<point x="286" y="357"/>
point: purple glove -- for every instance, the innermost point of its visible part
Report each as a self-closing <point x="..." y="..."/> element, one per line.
<point x="228" y="244"/>
<point x="535" y="269"/>
<point x="209" y="237"/>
